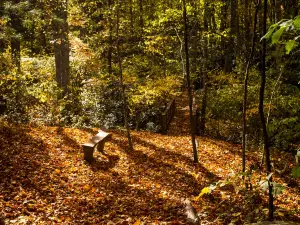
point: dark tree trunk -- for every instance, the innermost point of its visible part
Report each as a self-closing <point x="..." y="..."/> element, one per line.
<point x="278" y="13"/>
<point x="131" y="16"/>
<point x="141" y="15"/>
<point x="192" y="130"/>
<point x="223" y="26"/>
<point x="228" y="54"/>
<point x="246" y="91"/>
<point x="109" y="53"/>
<point x="45" y="48"/>
<point x="2" y="41"/>
<point x="204" y="70"/>
<point x="238" y="43"/>
<point x="233" y="31"/>
<point x="290" y="8"/>
<point x="246" y="27"/>
<point x="61" y="46"/>
<point x="261" y="113"/>
<point x="122" y="87"/>
<point x="16" y="52"/>
<point x="15" y="44"/>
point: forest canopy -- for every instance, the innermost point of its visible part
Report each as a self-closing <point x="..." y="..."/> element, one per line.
<point x="120" y="63"/>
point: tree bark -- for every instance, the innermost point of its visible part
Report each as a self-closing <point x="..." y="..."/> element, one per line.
<point x="122" y="87"/>
<point x="141" y="15"/>
<point x="204" y="70"/>
<point x="2" y="42"/>
<point x="278" y="13"/>
<point x="262" y="116"/>
<point x="246" y="27"/>
<point x="223" y="26"/>
<point x="15" y="44"/>
<point x="61" y="46"/>
<point x="109" y="53"/>
<point x="131" y="16"/>
<point x="246" y="91"/>
<point x="192" y="130"/>
<point x="233" y="31"/>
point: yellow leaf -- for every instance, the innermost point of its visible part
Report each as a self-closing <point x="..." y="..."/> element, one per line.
<point x="86" y="187"/>
<point x="73" y="169"/>
<point x="281" y="214"/>
<point x="236" y="214"/>
<point x="138" y="222"/>
<point x="205" y="190"/>
<point x="31" y="206"/>
<point x="57" y="171"/>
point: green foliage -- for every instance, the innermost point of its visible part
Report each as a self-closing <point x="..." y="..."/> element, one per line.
<point x="284" y="128"/>
<point x="289" y="26"/>
<point x="296" y="22"/>
<point x="32" y="93"/>
<point x="156" y="91"/>
<point x="276" y="35"/>
<point x="290" y="45"/>
<point x="296" y="171"/>
<point x="277" y="188"/>
<point x="149" y="97"/>
<point x="225" y="105"/>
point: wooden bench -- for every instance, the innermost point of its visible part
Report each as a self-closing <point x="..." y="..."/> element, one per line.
<point x="97" y="141"/>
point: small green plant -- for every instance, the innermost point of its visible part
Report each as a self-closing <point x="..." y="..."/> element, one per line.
<point x="277" y="188"/>
<point x="296" y="169"/>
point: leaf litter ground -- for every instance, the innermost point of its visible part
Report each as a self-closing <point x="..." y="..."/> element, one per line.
<point x="44" y="179"/>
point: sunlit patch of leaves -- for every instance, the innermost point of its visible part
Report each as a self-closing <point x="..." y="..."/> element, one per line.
<point x="44" y="179"/>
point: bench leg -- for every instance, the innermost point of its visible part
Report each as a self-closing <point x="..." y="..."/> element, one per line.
<point x="88" y="153"/>
<point x="100" y="146"/>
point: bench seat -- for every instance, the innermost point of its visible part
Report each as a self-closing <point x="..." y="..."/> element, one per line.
<point x="97" y="141"/>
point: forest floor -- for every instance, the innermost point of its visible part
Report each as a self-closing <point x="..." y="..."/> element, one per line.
<point x="44" y="179"/>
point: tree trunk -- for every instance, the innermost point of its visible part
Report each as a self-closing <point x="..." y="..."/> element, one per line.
<point x="228" y="53"/>
<point x="131" y="17"/>
<point x="246" y="91"/>
<point x="192" y="130"/>
<point x="61" y="46"/>
<point x="141" y="15"/>
<point x="223" y="26"/>
<point x="15" y="44"/>
<point x="204" y="69"/>
<point x="246" y="28"/>
<point x="125" y="106"/>
<point x="238" y="45"/>
<point x="16" y="52"/>
<point x="278" y="13"/>
<point x="261" y="113"/>
<point x="2" y="42"/>
<point x="109" y="53"/>
<point x="231" y="46"/>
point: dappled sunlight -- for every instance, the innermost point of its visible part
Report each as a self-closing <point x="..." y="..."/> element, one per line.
<point x="45" y="166"/>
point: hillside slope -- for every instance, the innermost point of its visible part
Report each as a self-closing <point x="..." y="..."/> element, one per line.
<point x="44" y="179"/>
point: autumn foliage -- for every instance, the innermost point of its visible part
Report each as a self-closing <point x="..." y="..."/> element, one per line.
<point x="44" y="179"/>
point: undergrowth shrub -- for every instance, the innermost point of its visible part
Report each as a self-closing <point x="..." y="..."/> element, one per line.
<point x="149" y="99"/>
<point x="224" y="110"/>
<point x="30" y="93"/>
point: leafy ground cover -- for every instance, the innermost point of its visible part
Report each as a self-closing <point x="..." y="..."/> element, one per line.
<point x="44" y="179"/>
